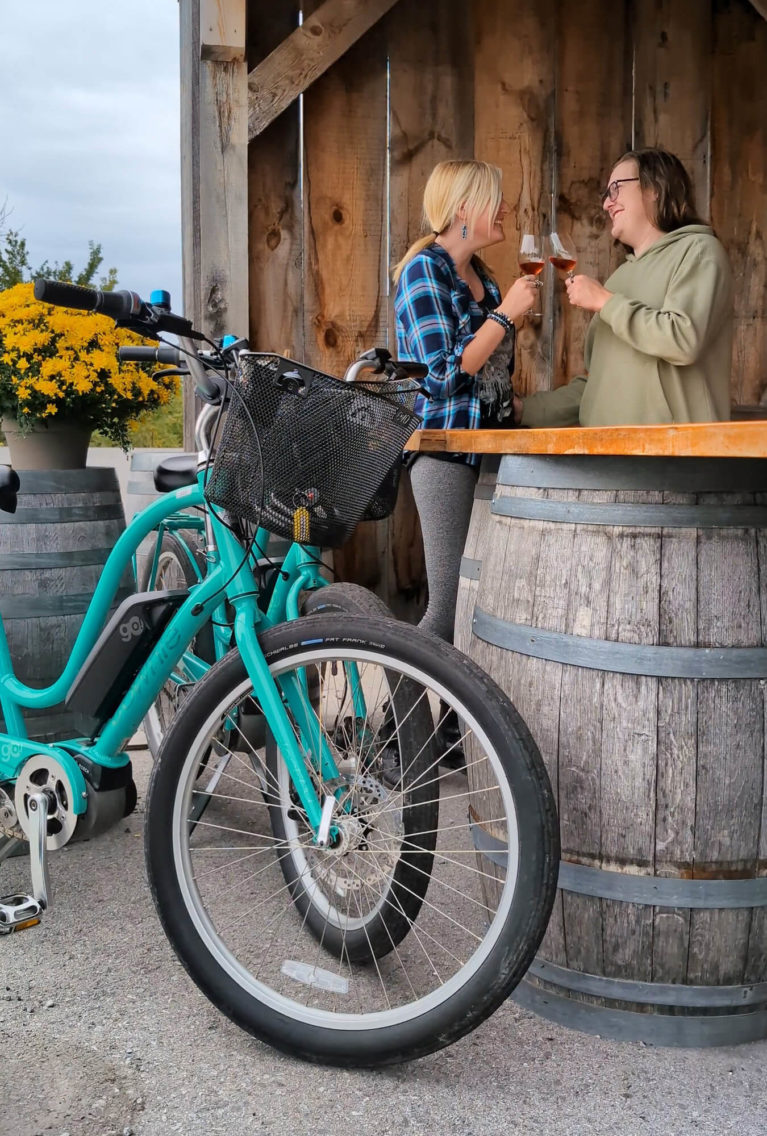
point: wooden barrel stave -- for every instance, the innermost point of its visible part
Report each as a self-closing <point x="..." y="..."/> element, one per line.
<point x="474" y="550"/>
<point x="52" y="552"/>
<point x="671" y="811"/>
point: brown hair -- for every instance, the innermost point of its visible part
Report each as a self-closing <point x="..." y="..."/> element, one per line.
<point x="664" y="174"/>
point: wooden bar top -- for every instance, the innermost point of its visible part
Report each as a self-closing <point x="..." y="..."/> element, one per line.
<point x="693" y="439"/>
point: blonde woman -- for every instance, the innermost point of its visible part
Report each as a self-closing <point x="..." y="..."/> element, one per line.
<point x="451" y="316"/>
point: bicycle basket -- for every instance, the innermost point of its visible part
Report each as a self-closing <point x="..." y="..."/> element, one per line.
<point x="304" y="454"/>
<point x="385" y="497"/>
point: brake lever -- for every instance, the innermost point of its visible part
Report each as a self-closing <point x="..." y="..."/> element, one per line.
<point x="180" y="371"/>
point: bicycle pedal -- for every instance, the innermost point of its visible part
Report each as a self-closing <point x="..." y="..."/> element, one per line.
<point x="17" y="912"/>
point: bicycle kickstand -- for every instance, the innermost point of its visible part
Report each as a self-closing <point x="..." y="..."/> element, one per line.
<point x="17" y="912"/>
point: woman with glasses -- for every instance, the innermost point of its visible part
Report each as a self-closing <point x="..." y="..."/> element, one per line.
<point x="659" y="344"/>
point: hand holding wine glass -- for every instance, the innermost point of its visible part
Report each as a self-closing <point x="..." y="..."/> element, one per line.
<point x="531" y="259"/>
<point x="562" y="256"/>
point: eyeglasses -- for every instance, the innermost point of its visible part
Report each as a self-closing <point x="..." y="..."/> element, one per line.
<point x="613" y="189"/>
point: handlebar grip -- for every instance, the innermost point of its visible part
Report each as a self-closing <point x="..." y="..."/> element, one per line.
<point x="166" y="353"/>
<point x="408" y="369"/>
<point x="117" y="305"/>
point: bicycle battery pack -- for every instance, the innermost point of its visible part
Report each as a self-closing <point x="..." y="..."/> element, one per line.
<point x="119" y="654"/>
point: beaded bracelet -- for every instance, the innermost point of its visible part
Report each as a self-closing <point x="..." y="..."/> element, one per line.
<point x="504" y="321"/>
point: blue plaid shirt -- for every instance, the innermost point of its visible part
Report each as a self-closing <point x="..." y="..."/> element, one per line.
<point x="437" y="317"/>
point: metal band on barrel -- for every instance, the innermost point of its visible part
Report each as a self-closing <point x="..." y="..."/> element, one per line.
<point x="635" y="515"/>
<point x="674" y="475"/>
<point x="651" y="891"/>
<point x="620" y="658"/>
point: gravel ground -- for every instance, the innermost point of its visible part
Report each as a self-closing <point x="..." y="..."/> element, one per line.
<point x="102" y="1034"/>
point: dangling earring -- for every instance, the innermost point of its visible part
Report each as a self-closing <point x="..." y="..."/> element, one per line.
<point x="464" y="232"/>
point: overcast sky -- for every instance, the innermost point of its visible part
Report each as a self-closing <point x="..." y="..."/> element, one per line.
<point x="89" y="134"/>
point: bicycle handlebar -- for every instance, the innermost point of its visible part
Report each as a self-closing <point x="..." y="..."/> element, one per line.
<point x="379" y="361"/>
<point x="166" y="353"/>
<point x="118" y="305"/>
<point x="127" y="309"/>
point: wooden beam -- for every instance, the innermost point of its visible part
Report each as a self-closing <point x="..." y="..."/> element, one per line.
<point x="761" y="7"/>
<point x="222" y="31"/>
<point x="189" y="27"/>
<point x="214" y="188"/>
<point x="306" y="53"/>
<point x="689" y="439"/>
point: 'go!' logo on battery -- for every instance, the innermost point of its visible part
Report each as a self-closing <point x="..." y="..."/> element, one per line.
<point x="131" y="629"/>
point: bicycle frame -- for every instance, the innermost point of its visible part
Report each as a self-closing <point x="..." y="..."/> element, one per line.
<point x="231" y="576"/>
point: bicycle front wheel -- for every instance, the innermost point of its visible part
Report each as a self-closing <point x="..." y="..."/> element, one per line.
<point x="426" y="908"/>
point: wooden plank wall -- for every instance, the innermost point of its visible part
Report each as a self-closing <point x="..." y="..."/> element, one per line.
<point x="553" y="92"/>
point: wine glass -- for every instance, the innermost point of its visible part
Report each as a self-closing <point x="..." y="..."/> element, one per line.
<point x="531" y="259"/>
<point x="562" y="256"/>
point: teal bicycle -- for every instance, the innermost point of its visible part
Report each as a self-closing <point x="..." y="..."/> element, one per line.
<point x="288" y="575"/>
<point x="337" y="918"/>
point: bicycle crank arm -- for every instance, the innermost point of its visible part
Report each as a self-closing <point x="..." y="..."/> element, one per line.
<point x="17" y="912"/>
<point x="38" y="832"/>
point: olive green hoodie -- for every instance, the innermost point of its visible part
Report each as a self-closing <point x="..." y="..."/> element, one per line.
<point x="660" y="350"/>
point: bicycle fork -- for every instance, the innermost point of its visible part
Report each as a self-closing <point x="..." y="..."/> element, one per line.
<point x="311" y="740"/>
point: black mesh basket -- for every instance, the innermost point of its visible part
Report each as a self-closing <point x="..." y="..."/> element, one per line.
<point x="306" y="455"/>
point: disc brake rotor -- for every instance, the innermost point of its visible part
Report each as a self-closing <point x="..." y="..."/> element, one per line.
<point x="342" y="875"/>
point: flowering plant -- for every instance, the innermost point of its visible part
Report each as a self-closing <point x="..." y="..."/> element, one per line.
<point x="59" y="363"/>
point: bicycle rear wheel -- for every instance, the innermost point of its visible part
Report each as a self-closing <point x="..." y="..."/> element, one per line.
<point x="384" y="982"/>
<point x="175" y="568"/>
<point x="404" y="722"/>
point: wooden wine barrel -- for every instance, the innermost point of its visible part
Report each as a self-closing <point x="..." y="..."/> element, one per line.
<point x="52" y="550"/>
<point x="621" y="602"/>
<point x="474" y="548"/>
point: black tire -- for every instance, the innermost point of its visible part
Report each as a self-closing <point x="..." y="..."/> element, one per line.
<point x="349" y="598"/>
<point x="174" y="569"/>
<point x="232" y="921"/>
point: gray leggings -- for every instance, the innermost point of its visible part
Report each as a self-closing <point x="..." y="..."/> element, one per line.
<point x="443" y="493"/>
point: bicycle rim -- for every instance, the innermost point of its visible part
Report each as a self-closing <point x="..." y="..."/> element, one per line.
<point x="360" y="956"/>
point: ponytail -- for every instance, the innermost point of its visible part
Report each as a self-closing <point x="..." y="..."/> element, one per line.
<point x="415" y="248"/>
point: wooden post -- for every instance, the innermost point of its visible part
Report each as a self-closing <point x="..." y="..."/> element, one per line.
<point x="214" y="142"/>
<point x="222" y="31"/>
<point x="739" y="186"/>
<point x="672" y="49"/>
<point x="344" y="234"/>
<point x="593" y="127"/>
<point x="431" y="111"/>
<point x="514" y="97"/>
<point x="275" y="224"/>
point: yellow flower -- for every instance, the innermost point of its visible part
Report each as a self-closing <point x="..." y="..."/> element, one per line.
<point x="56" y="361"/>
